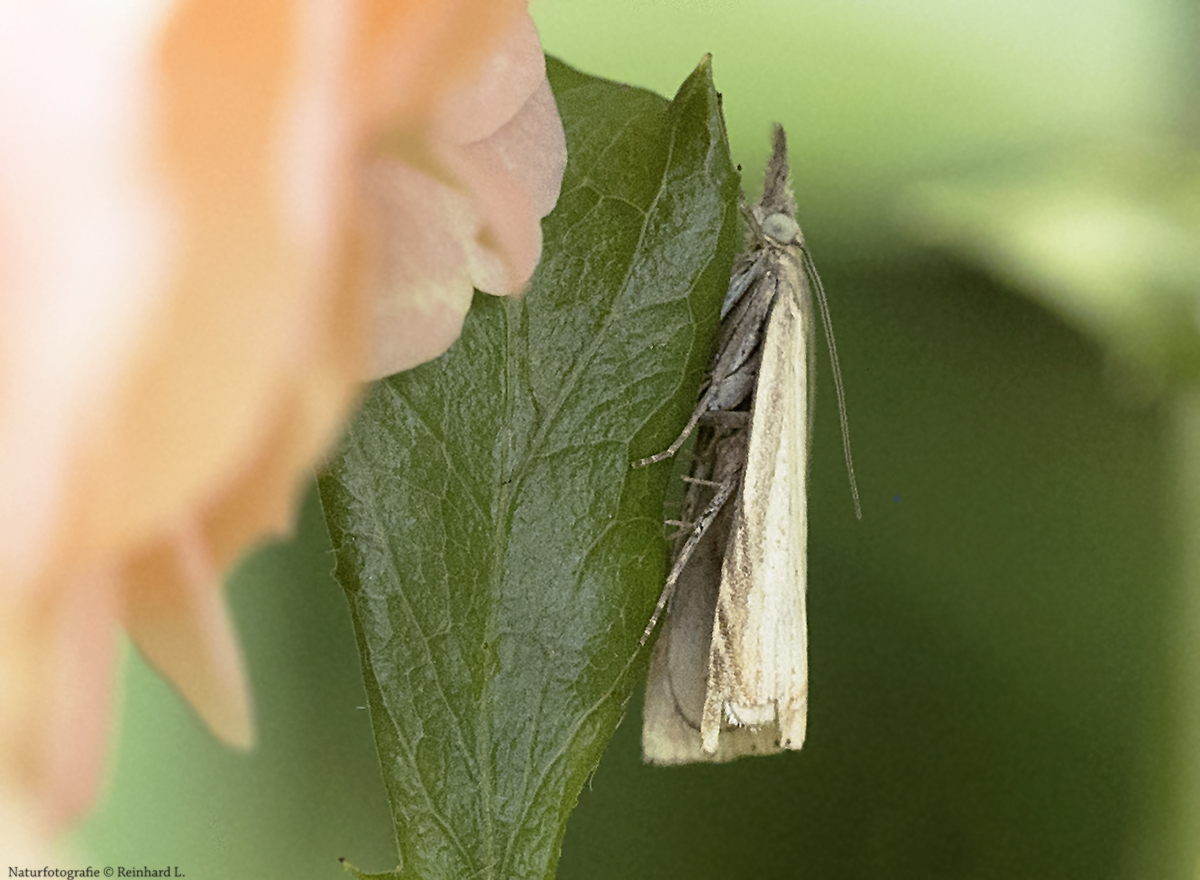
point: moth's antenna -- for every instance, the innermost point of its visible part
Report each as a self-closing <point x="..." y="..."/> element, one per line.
<point x="810" y="270"/>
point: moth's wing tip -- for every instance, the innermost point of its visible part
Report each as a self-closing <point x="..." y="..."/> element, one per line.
<point x="658" y="758"/>
<point x="667" y="744"/>
<point x="793" y="719"/>
<point x="793" y="739"/>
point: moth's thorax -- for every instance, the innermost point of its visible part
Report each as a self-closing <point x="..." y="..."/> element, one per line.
<point x="781" y="230"/>
<point x="782" y="241"/>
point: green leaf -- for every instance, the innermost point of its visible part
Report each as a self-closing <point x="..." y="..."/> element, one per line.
<point x="499" y="554"/>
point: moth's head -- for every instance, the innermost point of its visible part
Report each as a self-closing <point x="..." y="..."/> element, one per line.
<point x="781" y="229"/>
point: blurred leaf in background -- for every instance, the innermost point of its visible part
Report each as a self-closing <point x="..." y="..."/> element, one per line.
<point x="1005" y="671"/>
<point x="1108" y="238"/>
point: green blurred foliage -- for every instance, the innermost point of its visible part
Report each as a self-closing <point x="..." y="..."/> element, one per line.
<point x="1001" y="199"/>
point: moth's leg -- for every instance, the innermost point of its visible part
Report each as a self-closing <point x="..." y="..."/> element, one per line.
<point x="708" y="411"/>
<point x="683" y="524"/>
<point x="698" y="413"/>
<point x="720" y="498"/>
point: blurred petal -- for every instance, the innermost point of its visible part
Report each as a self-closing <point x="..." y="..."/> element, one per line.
<point x="501" y="154"/>
<point x="422" y="265"/>
<point x="476" y="108"/>
<point x="516" y="175"/>
<point x="81" y="656"/>
<point x="72" y="160"/>
<point x="23" y="840"/>
<point x="56" y="655"/>
<point x="84" y="247"/>
<point x="176" y="615"/>
<point x="186" y="275"/>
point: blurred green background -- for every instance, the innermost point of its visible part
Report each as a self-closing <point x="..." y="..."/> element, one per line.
<point x="1004" y="203"/>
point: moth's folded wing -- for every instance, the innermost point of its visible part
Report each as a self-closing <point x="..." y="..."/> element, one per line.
<point x="667" y="737"/>
<point x="791" y="356"/>
<point x="759" y="652"/>
<point x="676" y="683"/>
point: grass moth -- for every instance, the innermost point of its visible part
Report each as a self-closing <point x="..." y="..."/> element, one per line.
<point x="729" y="672"/>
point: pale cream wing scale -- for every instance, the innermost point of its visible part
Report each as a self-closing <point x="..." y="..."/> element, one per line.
<point x="758" y="658"/>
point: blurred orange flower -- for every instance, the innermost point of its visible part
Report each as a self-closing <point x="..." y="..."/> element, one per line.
<point x="216" y="218"/>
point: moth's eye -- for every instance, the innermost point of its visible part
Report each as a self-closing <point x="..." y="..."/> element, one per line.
<point x="781" y="228"/>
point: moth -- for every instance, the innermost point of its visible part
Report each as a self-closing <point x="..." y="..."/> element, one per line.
<point x="729" y="672"/>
